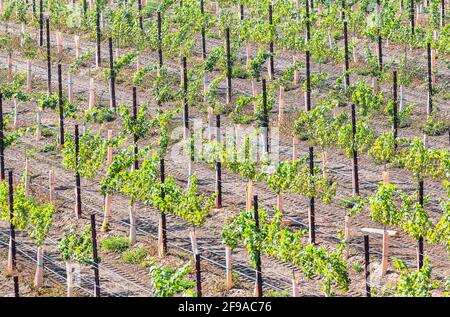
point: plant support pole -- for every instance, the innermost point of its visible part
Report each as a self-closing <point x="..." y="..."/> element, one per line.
<point x="420" y="240"/>
<point x="2" y="141"/>
<point x="112" y="76"/>
<point x="95" y="257"/>
<point x="366" y="264"/>
<point x="163" y="233"/>
<point x="12" y="231"/>
<point x="61" y="107"/>
<point x="265" y="123"/>
<point x="198" y="276"/>
<point x="135" y="137"/>
<point x="430" y="81"/>
<point x="77" y="174"/>
<point x="41" y="24"/>
<point x="218" y="169"/>
<point x="97" y="27"/>
<point x="49" y="61"/>
<point x="259" y="289"/>
<point x="271" y="58"/>
<point x="395" y="109"/>
<point x="185" y="99"/>
<point x="229" y="69"/>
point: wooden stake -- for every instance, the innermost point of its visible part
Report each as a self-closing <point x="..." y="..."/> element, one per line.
<point x="311" y="209"/>
<point x="12" y="232"/>
<point x="112" y="80"/>
<point x="49" y="61"/>
<point x="2" y="144"/>
<point x="229" y="69"/>
<point x="59" y="45"/>
<point x="41" y="24"/>
<point x="229" y="268"/>
<point x="198" y="276"/>
<point x="366" y="264"/>
<point x="258" y="287"/>
<point x="77" y="46"/>
<point x="95" y="257"/>
<point x="39" y="275"/>
<point x="77" y="176"/>
<point x="61" y="107"/>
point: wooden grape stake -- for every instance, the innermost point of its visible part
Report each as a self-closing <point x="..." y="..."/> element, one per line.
<point x="355" y="178"/>
<point x="76" y="39"/>
<point x="380" y="43"/>
<point x="203" y="32"/>
<point x="132" y="207"/>
<point x="229" y="267"/>
<point x="2" y="141"/>
<point x="162" y="228"/>
<point x="271" y="58"/>
<point x="16" y="286"/>
<point x="41" y="24"/>
<point x="420" y="250"/>
<point x="430" y="81"/>
<point x="108" y="198"/>
<point x="12" y="231"/>
<point x="395" y="108"/>
<point x="61" y="107"/>
<point x="77" y="175"/>
<point x="141" y="24"/>
<point x="49" y="61"/>
<point x="160" y="56"/>
<point x="198" y="276"/>
<point x="59" y="46"/>
<point x="311" y="209"/>
<point x="265" y="118"/>
<point x="258" y="288"/>
<point x="218" y="169"/>
<point x="112" y="80"/>
<point x="185" y="99"/>
<point x="366" y="264"/>
<point x="229" y="70"/>
<point x="95" y="257"/>
<point x="411" y="16"/>
<point x="98" y="35"/>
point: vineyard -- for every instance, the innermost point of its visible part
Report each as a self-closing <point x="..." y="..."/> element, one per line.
<point x="232" y="148"/>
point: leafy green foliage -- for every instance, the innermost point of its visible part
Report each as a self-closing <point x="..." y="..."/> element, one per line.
<point x="91" y="155"/>
<point x="76" y="247"/>
<point x="167" y="282"/>
<point x="115" y="244"/>
<point x="417" y="283"/>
